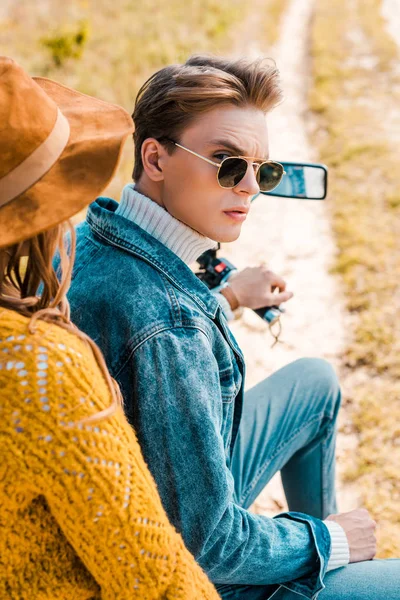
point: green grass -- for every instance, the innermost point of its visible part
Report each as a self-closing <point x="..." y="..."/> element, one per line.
<point x="108" y="49"/>
<point x="272" y="20"/>
<point x="353" y="62"/>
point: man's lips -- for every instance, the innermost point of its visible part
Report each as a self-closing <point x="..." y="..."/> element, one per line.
<point x="238" y="213"/>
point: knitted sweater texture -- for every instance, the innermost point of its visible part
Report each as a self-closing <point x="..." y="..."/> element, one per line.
<point x="80" y="516"/>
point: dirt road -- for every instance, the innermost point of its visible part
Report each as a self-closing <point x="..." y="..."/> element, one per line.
<point x="294" y="237"/>
<point x="391" y="13"/>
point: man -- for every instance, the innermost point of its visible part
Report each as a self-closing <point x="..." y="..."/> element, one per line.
<point x="211" y="448"/>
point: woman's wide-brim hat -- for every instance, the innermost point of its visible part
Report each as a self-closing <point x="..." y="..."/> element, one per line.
<point x="58" y="150"/>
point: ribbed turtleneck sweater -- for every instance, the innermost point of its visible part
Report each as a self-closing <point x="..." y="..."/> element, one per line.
<point x="181" y="239"/>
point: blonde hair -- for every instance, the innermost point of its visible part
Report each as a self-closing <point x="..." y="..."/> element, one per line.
<point x="175" y="95"/>
<point x="25" y="267"/>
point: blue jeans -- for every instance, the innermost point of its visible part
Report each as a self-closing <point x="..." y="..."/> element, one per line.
<point x="369" y="580"/>
<point x="288" y="425"/>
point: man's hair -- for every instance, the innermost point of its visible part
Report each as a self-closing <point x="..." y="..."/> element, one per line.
<point x="175" y="95"/>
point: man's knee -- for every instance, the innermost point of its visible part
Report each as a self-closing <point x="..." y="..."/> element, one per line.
<point x="320" y="379"/>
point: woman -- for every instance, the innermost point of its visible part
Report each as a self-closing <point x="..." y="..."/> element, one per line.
<point x="80" y="516"/>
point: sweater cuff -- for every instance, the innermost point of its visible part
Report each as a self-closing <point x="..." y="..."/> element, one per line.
<point x="340" y="552"/>
<point x="226" y="307"/>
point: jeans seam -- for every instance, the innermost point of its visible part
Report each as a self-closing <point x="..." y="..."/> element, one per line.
<point x="275" y="592"/>
<point x="324" y="474"/>
<point x="282" y="445"/>
<point x="299" y="593"/>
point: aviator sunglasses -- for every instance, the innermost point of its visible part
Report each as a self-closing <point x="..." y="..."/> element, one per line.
<point x="232" y="169"/>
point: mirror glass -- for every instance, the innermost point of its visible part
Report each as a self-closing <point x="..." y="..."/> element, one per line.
<point x="307" y="181"/>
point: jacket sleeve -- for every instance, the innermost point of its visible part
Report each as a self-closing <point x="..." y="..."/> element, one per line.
<point x="173" y="397"/>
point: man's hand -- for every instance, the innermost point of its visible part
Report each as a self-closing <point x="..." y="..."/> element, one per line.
<point x="360" y="532"/>
<point x="254" y="287"/>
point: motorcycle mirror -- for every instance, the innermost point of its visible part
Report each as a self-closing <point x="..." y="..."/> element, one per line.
<point x="307" y="181"/>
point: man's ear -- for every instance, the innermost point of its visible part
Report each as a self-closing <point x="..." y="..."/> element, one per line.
<point x="153" y="154"/>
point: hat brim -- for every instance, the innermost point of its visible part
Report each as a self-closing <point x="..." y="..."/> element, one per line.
<point x="98" y="131"/>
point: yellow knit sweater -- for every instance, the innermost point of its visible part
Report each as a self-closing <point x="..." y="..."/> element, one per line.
<point x="80" y="516"/>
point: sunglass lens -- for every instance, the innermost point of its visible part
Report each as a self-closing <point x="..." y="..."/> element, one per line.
<point x="231" y="171"/>
<point x="269" y="176"/>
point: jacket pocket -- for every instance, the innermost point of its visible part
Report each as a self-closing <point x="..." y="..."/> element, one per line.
<point x="230" y="381"/>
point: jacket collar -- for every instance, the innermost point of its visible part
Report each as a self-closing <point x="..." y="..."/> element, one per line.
<point x="126" y="235"/>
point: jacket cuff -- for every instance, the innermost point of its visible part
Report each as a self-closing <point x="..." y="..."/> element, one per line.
<point x="311" y="584"/>
<point x="340" y="552"/>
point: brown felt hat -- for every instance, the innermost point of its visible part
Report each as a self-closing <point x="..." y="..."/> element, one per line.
<point x="58" y="150"/>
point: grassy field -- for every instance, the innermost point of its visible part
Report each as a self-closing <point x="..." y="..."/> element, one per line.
<point x="109" y="49"/>
<point x="271" y="22"/>
<point x="354" y="68"/>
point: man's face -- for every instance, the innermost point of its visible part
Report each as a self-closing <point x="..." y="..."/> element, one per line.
<point x="190" y="190"/>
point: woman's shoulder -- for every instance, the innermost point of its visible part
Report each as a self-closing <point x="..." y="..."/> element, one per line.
<point x="46" y="352"/>
<point x="17" y="334"/>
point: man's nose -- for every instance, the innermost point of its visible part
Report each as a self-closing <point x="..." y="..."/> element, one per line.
<point x="249" y="184"/>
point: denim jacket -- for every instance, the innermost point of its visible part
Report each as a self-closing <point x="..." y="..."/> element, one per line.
<point x="181" y="372"/>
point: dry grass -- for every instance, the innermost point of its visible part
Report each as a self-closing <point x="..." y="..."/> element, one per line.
<point x="109" y="49"/>
<point x="124" y="42"/>
<point x="353" y="67"/>
<point x="272" y="21"/>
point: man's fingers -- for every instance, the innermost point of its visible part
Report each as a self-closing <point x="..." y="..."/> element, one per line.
<point x="274" y="280"/>
<point x="255" y="287"/>
<point x="282" y="297"/>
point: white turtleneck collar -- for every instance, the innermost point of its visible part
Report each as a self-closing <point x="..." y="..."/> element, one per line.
<point x="184" y="241"/>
